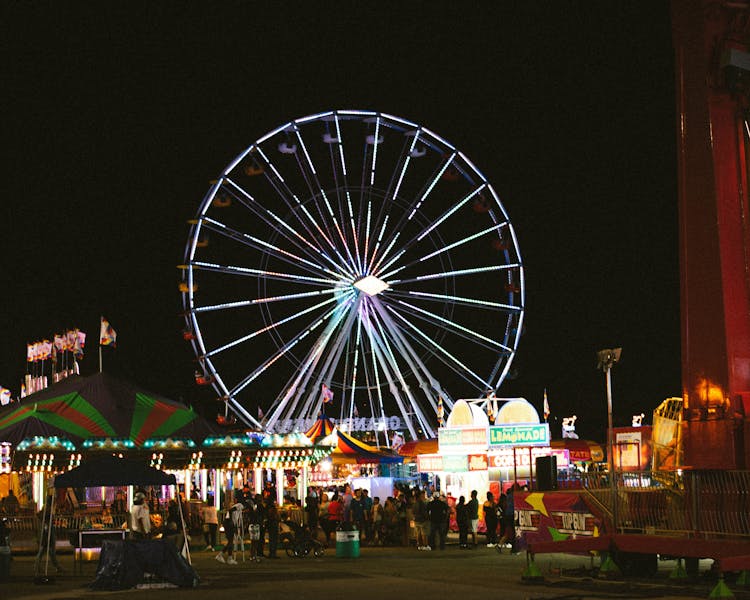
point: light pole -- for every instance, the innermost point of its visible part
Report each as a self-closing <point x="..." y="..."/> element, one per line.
<point x="607" y="358"/>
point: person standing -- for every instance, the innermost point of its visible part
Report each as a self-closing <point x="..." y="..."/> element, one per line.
<point x="258" y="517"/>
<point x="489" y="511"/>
<point x="438" y="514"/>
<point x="367" y="506"/>
<point x="311" y="508"/>
<point x="47" y="539"/>
<point x="357" y="512"/>
<point x="210" y="522"/>
<point x="5" y="555"/>
<point x="335" y="514"/>
<point x="376" y="516"/>
<point x="272" y="526"/>
<point x="422" y="522"/>
<point x="462" y="520"/>
<point x="473" y="508"/>
<point x="140" y="517"/>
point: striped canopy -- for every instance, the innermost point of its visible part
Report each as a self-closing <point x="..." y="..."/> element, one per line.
<point x="321" y="428"/>
<point x="362" y="452"/>
<point x="100" y="406"/>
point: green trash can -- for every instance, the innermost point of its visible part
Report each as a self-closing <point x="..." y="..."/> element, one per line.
<point x="347" y="544"/>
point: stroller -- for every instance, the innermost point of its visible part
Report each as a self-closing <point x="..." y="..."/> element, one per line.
<point x="300" y="542"/>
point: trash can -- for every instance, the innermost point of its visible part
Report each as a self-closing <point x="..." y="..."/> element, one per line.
<point x="347" y="544"/>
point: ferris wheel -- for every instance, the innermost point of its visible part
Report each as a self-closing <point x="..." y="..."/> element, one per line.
<point x="355" y="262"/>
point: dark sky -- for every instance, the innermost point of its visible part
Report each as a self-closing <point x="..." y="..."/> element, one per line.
<point x="115" y="119"/>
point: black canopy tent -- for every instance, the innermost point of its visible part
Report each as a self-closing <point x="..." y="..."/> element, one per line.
<point x="113" y="471"/>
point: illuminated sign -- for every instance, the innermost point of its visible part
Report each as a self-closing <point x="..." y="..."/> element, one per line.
<point x="429" y="463"/>
<point x="452" y="438"/>
<point x="477" y="462"/>
<point x="503" y="458"/>
<point x="393" y="423"/>
<point x="519" y="435"/>
<point x="451" y="463"/>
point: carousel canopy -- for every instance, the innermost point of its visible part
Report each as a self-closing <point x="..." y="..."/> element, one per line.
<point x="100" y="406"/>
<point x="111" y="471"/>
<point x="323" y="427"/>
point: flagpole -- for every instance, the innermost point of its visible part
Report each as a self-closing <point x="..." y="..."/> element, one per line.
<point x="100" y="358"/>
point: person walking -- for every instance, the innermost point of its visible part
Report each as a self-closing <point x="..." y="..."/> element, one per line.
<point x="473" y="508"/>
<point x="231" y="522"/>
<point x="210" y="522"/>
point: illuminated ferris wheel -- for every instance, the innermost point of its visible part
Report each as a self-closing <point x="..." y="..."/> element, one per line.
<point x="356" y="252"/>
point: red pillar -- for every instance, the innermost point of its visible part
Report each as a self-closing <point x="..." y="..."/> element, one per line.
<point x="714" y="233"/>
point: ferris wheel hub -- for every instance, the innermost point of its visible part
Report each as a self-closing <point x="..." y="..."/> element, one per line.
<point x="371" y="285"/>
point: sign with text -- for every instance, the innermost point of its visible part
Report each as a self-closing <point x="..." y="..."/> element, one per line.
<point x="503" y="458"/>
<point x="507" y="436"/>
<point x="450" y="439"/>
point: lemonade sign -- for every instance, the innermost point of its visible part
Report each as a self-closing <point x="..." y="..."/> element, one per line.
<point x="502" y="436"/>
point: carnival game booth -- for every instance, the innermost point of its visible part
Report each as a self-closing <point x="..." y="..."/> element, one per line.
<point x="123" y="563"/>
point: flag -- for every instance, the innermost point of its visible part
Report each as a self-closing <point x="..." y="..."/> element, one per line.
<point x="327" y="394"/>
<point x="23" y="390"/>
<point x="59" y="341"/>
<point x="70" y="340"/>
<point x="79" y="344"/>
<point x="440" y="412"/>
<point x="260" y="413"/>
<point x="107" y="336"/>
<point x="546" y="405"/>
<point x="4" y="396"/>
<point x="355" y="412"/>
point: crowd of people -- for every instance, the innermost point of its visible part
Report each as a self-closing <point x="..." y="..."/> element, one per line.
<point x="409" y="514"/>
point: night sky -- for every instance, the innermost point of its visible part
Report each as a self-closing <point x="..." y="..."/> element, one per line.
<point x="116" y="118"/>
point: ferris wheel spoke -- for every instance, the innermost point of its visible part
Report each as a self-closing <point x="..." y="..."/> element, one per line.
<point x="469" y="334"/>
<point x="390" y="368"/>
<point x="281" y="352"/>
<point x="447" y="248"/>
<point x="256" y="301"/>
<point x="265" y="247"/>
<point x="446" y="215"/>
<point x="297" y="386"/>
<point x="245" y="271"/>
<point x="300" y="241"/>
<point x="412" y="210"/>
<point x="274" y="325"/>
<point x="474" y="302"/>
<point x="382" y="340"/>
<point x="455" y="364"/>
<point x="457" y="273"/>
<point x="384" y="214"/>
<point x="425" y="380"/>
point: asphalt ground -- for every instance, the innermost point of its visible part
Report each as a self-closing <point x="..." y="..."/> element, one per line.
<point x="378" y="574"/>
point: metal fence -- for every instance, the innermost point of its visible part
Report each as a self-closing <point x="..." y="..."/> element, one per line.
<point x="699" y="503"/>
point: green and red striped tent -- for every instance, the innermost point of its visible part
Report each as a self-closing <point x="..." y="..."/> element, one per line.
<point x="100" y="406"/>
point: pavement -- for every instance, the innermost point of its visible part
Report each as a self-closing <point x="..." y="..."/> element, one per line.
<point x="376" y="574"/>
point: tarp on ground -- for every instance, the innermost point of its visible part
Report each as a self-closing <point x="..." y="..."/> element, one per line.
<point x="113" y="471"/>
<point x="100" y="406"/>
<point x="122" y="565"/>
